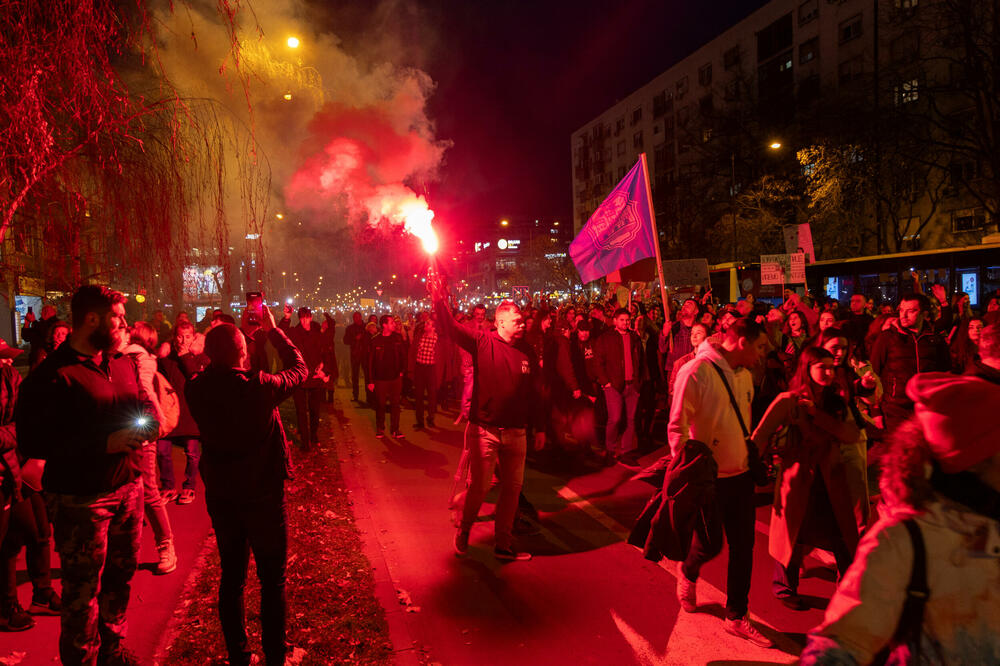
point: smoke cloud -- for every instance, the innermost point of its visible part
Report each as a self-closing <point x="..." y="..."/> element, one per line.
<point x="346" y="140"/>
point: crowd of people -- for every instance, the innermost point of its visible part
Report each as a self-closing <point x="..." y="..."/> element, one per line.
<point x="840" y="408"/>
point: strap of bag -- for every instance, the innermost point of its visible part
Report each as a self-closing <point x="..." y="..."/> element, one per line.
<point x="911" y="620"/>
<point x="732" y="400"/>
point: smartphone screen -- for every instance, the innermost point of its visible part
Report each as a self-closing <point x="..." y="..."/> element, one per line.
<point x="255" y="303"/>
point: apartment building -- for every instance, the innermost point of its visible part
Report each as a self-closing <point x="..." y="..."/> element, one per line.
<point x="744" y="103"/>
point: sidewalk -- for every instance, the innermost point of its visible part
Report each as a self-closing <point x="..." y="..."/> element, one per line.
<point x="153" y="601"/>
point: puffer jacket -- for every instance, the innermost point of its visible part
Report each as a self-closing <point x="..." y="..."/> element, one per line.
<point x="898" y="355"/>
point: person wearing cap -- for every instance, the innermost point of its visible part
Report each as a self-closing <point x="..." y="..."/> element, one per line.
<point x="942" y="470"/>
<point x="308" y="396"/>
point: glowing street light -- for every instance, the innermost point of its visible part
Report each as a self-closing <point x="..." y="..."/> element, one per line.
<point x="775" y="145"/>
<point x="280" y="216"/>
<point x="504" y="223"/>
<point x="293" y="42"/>
<point x="288" y="97"/>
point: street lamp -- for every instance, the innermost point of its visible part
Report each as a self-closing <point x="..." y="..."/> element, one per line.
<point x="293" y="42"/>
<point x="775" y="145"/>
<point x="504" y="223"/>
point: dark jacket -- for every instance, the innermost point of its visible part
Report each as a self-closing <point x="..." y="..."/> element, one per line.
<point x="898" y="355"/>
<point x="686" y="505"/>
<point x="584" y="365"/>
<point x="10" y="466"/>
<point x="386" y="358"/>
<point x="309" y="344"/>
<point x="244" y="450"/>
<point x="503" y="388"/>
<point x="67" y="409"/>
<point x="610" y="353"/>
<point x="178" y="370"/>
<point x="558" y="367"/>
<point x="357" y="339"/>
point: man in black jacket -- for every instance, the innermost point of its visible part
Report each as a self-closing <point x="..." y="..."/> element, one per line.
<point x="386" y="365"/>
<point x="504" y="402"/>
<point x="84" y="412"/>
<point x="907" y="347"/>
<point x="357" y="340"/>
<point x="244" y="464"/>
<point x="621" y="368"/>
<point x="309" y="395"/>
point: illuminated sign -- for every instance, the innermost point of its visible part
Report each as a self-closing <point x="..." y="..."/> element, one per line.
<point x="502" y="244"/>
<point x="507" y="244"/>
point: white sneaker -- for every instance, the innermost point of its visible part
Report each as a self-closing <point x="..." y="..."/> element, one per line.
<point x="168" y="557"/>
<point x="743" y="628"/>
<point x="686" y="593"/>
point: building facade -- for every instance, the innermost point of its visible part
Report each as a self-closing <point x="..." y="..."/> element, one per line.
<point x="862" y="117"/>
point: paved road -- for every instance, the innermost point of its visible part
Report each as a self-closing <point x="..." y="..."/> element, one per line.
<point x="586" y="597"/>
<point x="154" y="598"/>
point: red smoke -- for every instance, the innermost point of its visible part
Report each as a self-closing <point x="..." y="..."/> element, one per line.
<point x="364" y="157"/>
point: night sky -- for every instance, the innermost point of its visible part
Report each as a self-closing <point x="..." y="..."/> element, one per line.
<point x="516" y="77"/>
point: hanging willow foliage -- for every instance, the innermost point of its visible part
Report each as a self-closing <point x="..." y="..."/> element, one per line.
<point x="101" y="159"/>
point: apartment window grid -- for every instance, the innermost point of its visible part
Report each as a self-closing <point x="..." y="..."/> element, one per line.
<point x="907" y="92"/>
<point x="808" y="50"/>
<point x="808" y="11"/>
<point x="850" y="29"/>
<point x="968" y="219"/>
<point x="705" y="75"/>
<point x="731" y="58"/>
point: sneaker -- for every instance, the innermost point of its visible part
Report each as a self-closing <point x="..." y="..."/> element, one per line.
<point x="186" y="496"/>
<point x="687" y="593"/>
<point x="13" y="617"/>
<point x="398" y="435"/>
<point x="168" y="557"/>
<point x="168" y="495"/>
<point x="418" y="426"/>
<point x="510" y="555"/>
<point x="379" y="434"/>
<point x="743" y="628"/>
<point x="45" y="602"/>
<point x="461" y="543"/>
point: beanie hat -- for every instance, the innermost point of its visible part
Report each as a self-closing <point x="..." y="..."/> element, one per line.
<point x="955" y="414"/>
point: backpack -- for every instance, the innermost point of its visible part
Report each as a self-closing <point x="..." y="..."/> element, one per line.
<point x="169" y="401"/>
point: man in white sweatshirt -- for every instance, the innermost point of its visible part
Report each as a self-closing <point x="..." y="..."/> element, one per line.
<point x="702" y="410"/>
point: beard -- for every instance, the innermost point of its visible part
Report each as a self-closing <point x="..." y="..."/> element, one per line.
<point x="104" y="339"/>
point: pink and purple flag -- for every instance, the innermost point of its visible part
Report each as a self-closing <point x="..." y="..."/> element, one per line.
<point x="620" y="232"/>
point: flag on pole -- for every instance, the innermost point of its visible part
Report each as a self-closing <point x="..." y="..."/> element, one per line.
<point x="620" y="232"/>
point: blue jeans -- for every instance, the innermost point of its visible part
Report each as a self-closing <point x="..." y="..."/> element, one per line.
<point x="621" y="406"/>
<point x="505" y="449"/>
<point x="164" y="455"/>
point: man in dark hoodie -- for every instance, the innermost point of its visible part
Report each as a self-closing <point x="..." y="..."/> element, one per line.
<point x="244" y="464"/>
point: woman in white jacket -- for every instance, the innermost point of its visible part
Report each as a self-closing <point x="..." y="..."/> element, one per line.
<point x="141" y="347"/>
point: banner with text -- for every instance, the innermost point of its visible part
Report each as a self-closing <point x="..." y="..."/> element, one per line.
<point x="783" y="268"/>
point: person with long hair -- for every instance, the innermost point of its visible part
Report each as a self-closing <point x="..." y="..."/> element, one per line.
<point x="812" y="502"/>
<point x="963" y="345"/>
<point x="862" y="390"/>
<point x="142" y="342"/>
<point x="941" y="487"/>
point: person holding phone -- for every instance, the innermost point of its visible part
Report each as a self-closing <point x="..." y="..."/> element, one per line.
<point x="85" y="413"/>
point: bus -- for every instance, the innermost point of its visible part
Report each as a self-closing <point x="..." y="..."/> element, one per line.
<point x="974" y="270"/>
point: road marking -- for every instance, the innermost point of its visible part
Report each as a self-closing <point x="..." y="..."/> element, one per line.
<point x="642" y="646"/>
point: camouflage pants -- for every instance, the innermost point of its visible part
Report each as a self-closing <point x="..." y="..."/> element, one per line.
<point x="97" y="537"/>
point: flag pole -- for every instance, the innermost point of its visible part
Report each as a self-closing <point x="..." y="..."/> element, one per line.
<point x="656" y="238"/>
